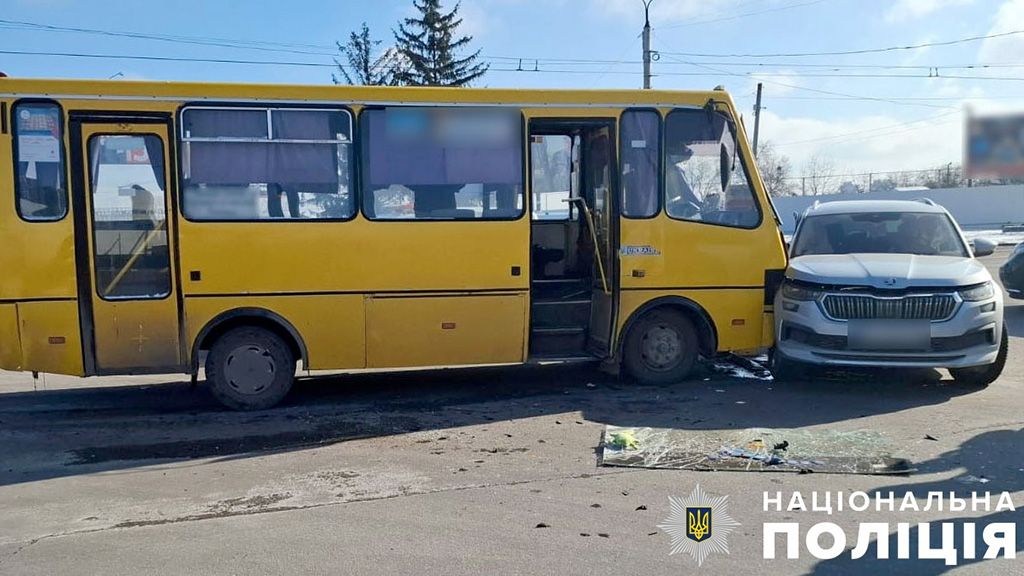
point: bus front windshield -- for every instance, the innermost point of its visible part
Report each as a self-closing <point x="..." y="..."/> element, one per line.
<point x="919" y="233"/>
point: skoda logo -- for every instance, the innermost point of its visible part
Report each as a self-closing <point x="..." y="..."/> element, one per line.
<point x="890" y="281"/>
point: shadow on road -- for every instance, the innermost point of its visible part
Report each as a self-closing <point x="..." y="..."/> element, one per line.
<point x="991" y="456"/>
<point x="55" y="433"/>
<point x="67" y="432"/>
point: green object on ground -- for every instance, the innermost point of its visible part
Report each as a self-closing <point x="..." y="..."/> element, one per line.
<point x="625" y="439"/>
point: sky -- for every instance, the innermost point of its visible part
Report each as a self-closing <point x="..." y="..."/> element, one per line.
<point x="870" y="112"/>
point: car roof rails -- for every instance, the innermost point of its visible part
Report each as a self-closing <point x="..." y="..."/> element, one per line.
<point x="927" y="201"/>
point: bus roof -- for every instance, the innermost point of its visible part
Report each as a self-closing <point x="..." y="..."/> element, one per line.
<point x="211" y="91"/>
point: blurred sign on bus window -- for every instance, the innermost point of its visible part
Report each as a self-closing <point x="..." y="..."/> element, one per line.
<point x="994" y="146"/>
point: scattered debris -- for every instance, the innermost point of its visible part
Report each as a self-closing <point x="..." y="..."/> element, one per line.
<point x="755" y="449"/>
<point x="930" y="437"/>
<point x="595" y="505"/>
<point x="584" y="534"/>
<point x="591" y="385"/>
<point x="602" y="535"/>
<point x="542" y="525"/>
<point x="971" y="479"/>
<point x="640" y="507"/>
<point x="625" y="440"/>
<point x="740" y="367"/>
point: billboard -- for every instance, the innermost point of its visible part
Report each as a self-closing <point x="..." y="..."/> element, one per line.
<point x="994" y="146"/>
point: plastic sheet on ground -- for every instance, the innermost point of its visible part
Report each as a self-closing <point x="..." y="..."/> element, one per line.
<point x="753" y="450"/>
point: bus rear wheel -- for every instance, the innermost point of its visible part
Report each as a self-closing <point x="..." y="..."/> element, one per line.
<point x="661" y="348"/>
<point x="250" y="368"/>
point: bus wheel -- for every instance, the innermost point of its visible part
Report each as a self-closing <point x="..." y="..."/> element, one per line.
<point x="660" y="348"/>
<point x="250" y="368"/>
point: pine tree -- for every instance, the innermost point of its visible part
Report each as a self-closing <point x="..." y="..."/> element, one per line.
<point x="363" y="68"/>
<point x="428" y="45"/>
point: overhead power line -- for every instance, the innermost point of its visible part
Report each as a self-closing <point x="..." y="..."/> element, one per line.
<point x="849" y="52"/>
<point x="806" y="89"/>
<point x="741" y="15"/>
<point x="879" y="131"/>
<point x="265" y="46"/>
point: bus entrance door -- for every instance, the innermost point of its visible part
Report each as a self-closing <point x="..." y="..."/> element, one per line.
<point x="572" y="254"/>
<point x="127" y="292"/>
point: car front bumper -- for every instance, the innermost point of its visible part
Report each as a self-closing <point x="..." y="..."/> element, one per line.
<point x="970" y="337"/>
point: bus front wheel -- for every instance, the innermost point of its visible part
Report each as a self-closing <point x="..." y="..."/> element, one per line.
<point x="250" y="368"/>
<point x="660" y="348"/>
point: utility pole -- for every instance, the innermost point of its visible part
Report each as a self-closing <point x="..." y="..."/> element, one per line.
<point x="757" y="116"/>
<point x="647" y="44"/>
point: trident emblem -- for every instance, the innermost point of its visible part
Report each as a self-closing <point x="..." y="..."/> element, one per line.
<point x="698" y="523"/>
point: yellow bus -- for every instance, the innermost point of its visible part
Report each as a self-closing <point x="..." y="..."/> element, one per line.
<point x="149" y="227"/>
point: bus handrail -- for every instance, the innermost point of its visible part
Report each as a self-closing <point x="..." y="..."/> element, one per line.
<point x="136" y="253"/>
<point x="593" y="236"/>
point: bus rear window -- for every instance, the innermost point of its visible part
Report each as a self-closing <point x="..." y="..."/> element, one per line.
<point x="40" y="181"/>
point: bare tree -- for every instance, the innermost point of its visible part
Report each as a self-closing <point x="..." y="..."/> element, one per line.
<point x="776" y="170"/>
<point x="820" y="175"/>
<point x="363" y="68"/>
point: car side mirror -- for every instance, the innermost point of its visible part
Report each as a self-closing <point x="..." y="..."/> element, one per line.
<point x="983" y="247"/>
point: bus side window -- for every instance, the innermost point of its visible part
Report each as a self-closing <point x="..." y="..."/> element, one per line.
<point x="39" y="185"/>
<point x="641" y="161"/>
<point x="442" y="163"/>
<point x="267" y="164"/>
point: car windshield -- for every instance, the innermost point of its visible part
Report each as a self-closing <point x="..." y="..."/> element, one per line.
<point x="925" y="234"/>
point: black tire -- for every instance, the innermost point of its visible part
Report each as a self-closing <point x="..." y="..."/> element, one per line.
<point x="785" y="370"/>
<point x="250" y="368"/>
<point x="660" y="348"/>
<point x="981" y="376"/>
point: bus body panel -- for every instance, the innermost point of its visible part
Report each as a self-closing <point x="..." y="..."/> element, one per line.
<point x="330" y="325"/>
<point x="10" y="338"/>
<point x="735" y="313"/>
<point x="50" y="337"/>
<point x="444" y="331"/>
<point x="358" y="256"/>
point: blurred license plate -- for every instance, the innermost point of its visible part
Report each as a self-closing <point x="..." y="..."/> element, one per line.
<point x="889" y="335"/>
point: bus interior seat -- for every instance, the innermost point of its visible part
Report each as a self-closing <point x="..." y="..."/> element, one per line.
<point x="454" y="213"/>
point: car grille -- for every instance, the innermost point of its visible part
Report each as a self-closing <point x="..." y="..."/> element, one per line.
<point x="868" y="307"/>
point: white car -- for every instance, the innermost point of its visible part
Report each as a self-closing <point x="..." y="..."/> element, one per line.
<point x="888" y="284"/>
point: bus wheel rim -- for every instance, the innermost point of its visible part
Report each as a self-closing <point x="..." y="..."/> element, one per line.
<point x="250" y="369"/>
<point x="661" y="348"/>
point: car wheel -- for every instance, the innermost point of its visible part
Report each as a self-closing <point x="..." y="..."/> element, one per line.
<point x="785" y="370"/>
<point x="660" y="348"/>
<point x="984" y="375"/>
<point x="250" y="368"/>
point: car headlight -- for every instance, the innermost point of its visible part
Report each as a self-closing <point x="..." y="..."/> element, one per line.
<point x="798" y="292"/>
<point x="978" y="293"/>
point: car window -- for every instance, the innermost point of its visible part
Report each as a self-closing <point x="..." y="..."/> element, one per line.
<point x="922" y="233"/>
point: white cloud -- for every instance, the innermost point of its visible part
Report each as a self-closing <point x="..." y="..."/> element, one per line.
<point x="903" y="10"/>
<point x="870" y="143"/>
<point x="1009" y="17"/>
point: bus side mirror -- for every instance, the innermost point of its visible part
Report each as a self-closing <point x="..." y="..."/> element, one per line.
<point x="725" y="166"/>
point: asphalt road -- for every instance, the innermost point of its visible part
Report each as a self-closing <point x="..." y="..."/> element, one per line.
<point x="450" y="472"/>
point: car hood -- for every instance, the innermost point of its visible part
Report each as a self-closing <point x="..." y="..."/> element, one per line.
<point x="887" y="271"/>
